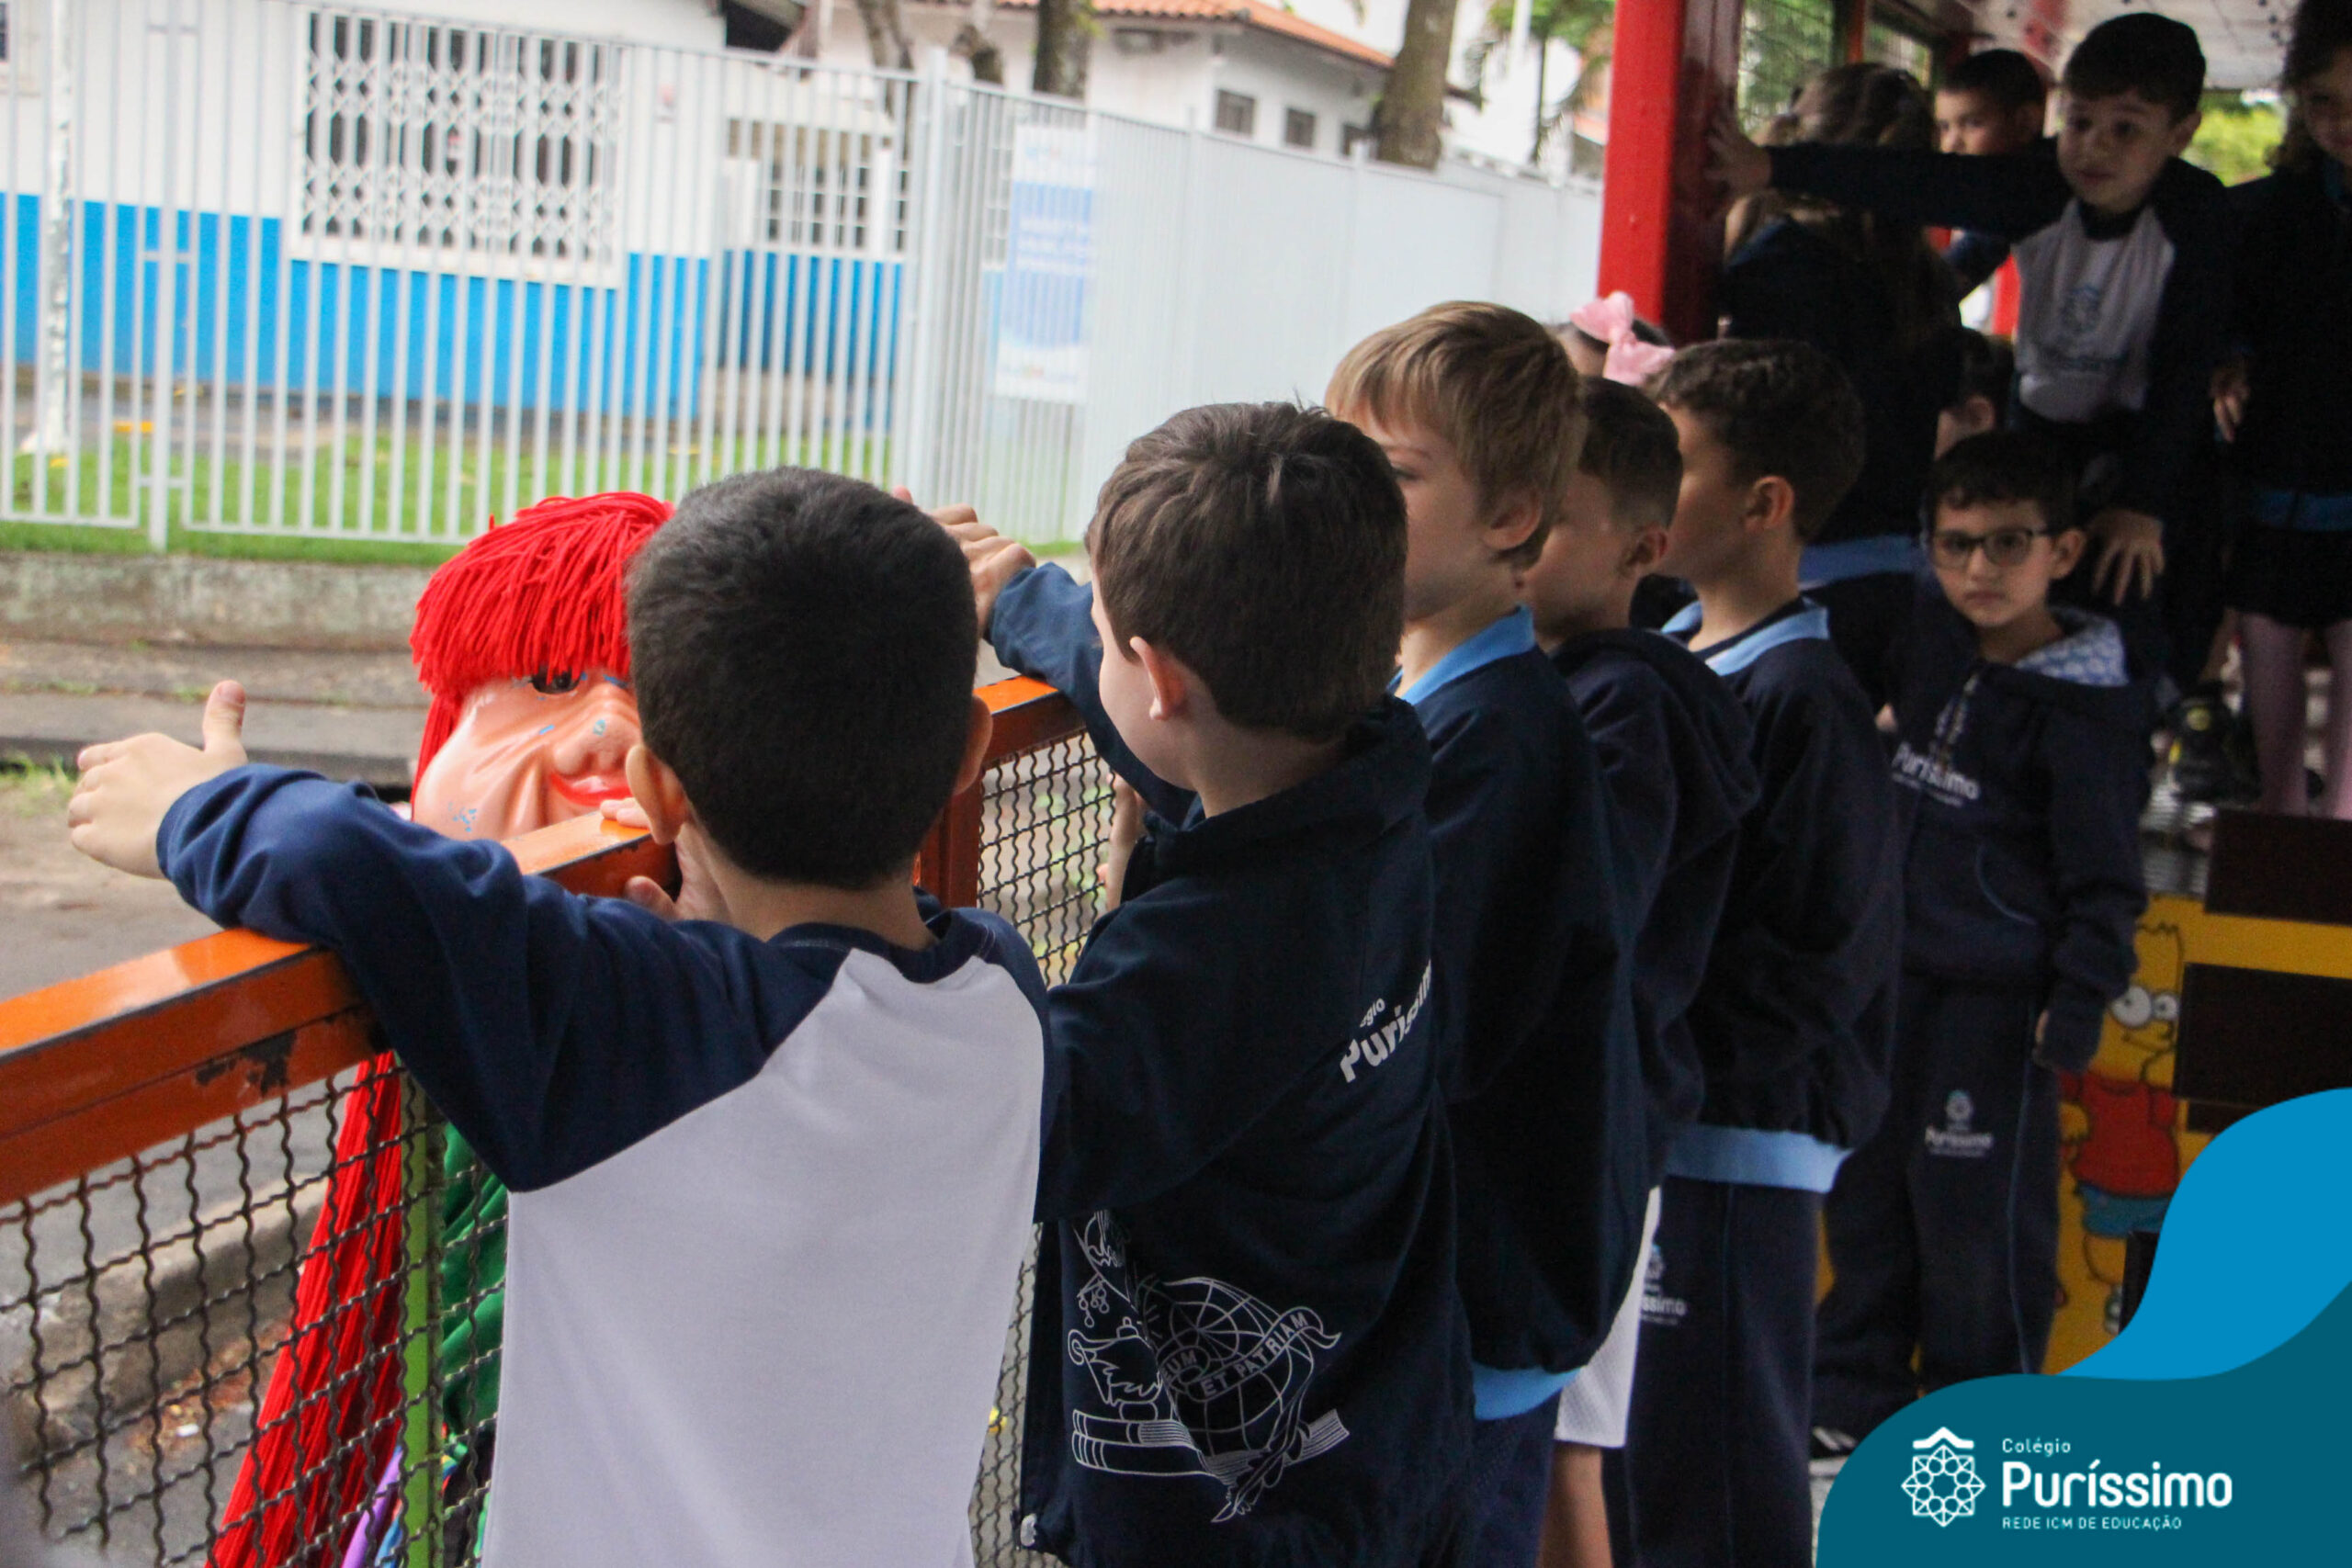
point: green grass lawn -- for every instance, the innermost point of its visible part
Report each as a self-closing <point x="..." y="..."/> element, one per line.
<point x="360" y="527"/>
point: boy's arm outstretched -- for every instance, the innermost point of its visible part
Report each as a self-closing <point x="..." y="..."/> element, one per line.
<point x="1041" y="622"/>
<point x="2010" y="195"/>
<point x="529" y="1015"/>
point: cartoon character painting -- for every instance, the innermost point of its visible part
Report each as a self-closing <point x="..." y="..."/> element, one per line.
<point x="2117" y="1118"/>
<point x="522" y="640"/>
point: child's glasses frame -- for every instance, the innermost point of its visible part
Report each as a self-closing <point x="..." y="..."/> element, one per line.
<point x="2003" y="546"/>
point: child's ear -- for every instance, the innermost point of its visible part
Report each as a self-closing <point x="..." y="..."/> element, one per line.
<point x="1171" y="684"/>
<point x="978" y="727"/>
<point x="1644" y="551"/>
<point x="2184" y="131"/>
<point x="2066" y="550"/>
<point x="659" y="793"/>
<point x="1772" y="504"/>
<point x="1514" y="522"/>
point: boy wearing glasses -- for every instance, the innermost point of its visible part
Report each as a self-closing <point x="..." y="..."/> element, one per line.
<point x="2020" y="773"/>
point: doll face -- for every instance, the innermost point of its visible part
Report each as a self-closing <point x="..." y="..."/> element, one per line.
<point x="528" y="753"/>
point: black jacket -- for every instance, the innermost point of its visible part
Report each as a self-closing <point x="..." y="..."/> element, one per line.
<point x="1535" y="952"/>
<point x="1795" y="1017"/>
<point x="2021" y="788"/>
<point x="1247" y="1346"/>
<point x="1544" y="1066"/>
<point x="1792" y="281"/>
<point x="1673" y="743"/>
<point x="2293" y="320"/>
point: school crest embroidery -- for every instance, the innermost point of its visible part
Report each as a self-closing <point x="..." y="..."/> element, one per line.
<point x="1196" y="1377"/>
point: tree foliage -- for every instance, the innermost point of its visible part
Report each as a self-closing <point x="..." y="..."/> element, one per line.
<point x="2236" y="141"/>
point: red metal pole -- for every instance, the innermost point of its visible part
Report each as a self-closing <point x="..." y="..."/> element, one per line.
<point x="1661" y="241"/>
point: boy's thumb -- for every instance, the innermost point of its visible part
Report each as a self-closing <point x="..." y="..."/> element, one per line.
<point x="224" y="719"/>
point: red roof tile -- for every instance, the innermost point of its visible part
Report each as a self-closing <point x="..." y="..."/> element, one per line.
<point x="1247" y="13"/>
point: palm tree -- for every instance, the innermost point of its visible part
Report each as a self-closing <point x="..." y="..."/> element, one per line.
<point x="1583" y="25"/>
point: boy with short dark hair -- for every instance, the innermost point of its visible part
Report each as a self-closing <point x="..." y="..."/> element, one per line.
<point x="1986" y="369"/>
<point x="1246" y="1347"/>
<point x="2121" y="255"/>
<point x="1989" y="105"/>
<point x="1793" y="1017"/>
<point x="1475" y="408"/>
<point x="817" y="1107"/>
<point x="2022" y="771"/>
<point x="1673" y="744"/>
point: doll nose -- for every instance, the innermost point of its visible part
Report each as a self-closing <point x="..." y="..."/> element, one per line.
<point x="599" y="734"/>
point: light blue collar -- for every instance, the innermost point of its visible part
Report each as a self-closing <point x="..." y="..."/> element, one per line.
<point x="1515" y="632"/>
<point x="1735" y="654"/>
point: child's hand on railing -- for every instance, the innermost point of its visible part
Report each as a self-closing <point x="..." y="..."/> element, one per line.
<point x="698" y="896"/>
<point x="994" y="560"/>
<point x="128" y="785"/>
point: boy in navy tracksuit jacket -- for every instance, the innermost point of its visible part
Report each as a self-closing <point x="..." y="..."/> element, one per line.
<point x="1673" y="744"/>
<point x="1475" y="408"/>
<point x="2122" y="271"/>
<point x="1792" y="1017"/>
<point x="2021" y="772"/>
<point x="817" y="1115"/>
<point x="1246" y="1347"/>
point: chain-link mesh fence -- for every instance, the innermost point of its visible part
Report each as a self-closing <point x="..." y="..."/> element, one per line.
<point x="146" y="1306"/>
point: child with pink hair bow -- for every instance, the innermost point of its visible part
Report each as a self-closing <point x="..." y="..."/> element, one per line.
<point x="1605" y="338"/>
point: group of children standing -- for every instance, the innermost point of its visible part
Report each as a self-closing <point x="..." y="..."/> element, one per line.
<point x="1490" y="1009"/>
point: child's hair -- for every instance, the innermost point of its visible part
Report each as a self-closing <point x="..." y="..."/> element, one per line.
<point x="1868" y="105"/>
<point x="2145" y="54"/>
<point x="802" y="651"/>
<point x="1263" y="545"/>
<point x="1631" y="447"/>
<point x="1781" y="408"/>
<point x="1494" y="383"/>
<point x="2005" y="466"/>
<point x="1988" y="367"/>
<point x="2322" y="29"/>
<point x="2002" y="77"/>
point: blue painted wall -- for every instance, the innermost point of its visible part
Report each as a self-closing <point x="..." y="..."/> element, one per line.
<point x="649" y="333"/>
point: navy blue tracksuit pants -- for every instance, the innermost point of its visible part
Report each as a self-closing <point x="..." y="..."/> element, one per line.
<point x="1714" y="1456"/>
<point x="1943" y="1228"/>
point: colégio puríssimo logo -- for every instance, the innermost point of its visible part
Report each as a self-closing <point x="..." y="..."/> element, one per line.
<point x="1943" y="1483"/>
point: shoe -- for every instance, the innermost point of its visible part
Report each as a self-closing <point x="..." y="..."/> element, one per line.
<point x="2200" y="724"/>
<point x="1831" y="1449"/>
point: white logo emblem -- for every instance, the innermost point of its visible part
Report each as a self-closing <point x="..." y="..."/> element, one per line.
<point x="1943" y="1483"/>
<point x="1959" y="1111"/>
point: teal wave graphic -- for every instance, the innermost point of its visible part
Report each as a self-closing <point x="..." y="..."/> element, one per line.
<point x="2214" y="1428"/>
<point x="2258" y="1240"/>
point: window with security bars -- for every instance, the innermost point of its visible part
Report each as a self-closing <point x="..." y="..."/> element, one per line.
<point x="1782" y="43"/>
<point x="491" y="144"/>
<point x="1298" y="128"/>
<point x="1237" y="113"/>
<point x="822" y="187"/>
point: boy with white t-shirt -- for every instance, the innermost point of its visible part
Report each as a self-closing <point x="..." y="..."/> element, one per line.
<point x="777" y="1156"/>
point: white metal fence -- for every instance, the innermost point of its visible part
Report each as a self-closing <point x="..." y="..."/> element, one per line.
<point x="309" y="270"/>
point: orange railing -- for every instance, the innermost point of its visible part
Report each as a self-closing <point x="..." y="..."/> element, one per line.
<point x="162" y="1129"/>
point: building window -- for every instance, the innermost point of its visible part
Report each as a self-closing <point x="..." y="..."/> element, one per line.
<point x="1352" y="137"/>
<point x="500" y="145"/>
<point x="1298" y="128"/>
<point x="815" y="186"/>
<point x="1237" y="113"/>
<point x="3" y="34"/>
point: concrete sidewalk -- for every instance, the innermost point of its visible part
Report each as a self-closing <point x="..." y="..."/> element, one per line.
<point x="348" y="715"/>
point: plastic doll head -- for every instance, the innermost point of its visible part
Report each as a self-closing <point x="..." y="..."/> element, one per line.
<point x="522" y="639"/>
